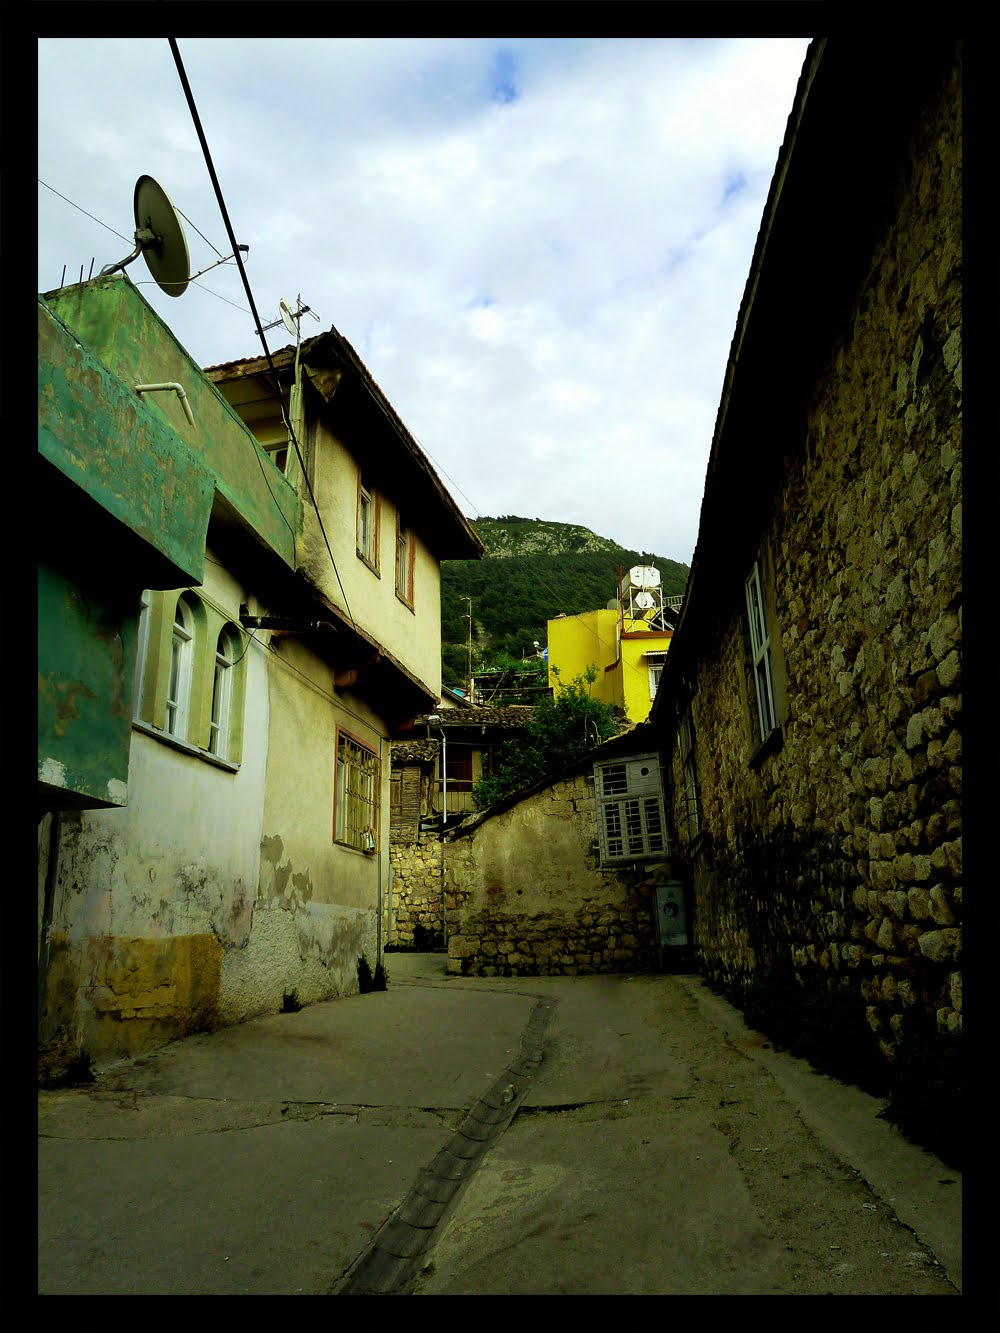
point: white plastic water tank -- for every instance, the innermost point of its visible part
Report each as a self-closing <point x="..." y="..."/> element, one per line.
<point x="641" y="576"/>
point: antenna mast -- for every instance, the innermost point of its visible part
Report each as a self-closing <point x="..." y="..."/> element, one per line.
<point x="468" y="677"/>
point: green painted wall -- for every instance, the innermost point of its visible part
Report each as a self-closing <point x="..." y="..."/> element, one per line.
<point x="132" y="345"/>
<point x="130" y="486"/>
<point x="86" y="661"/>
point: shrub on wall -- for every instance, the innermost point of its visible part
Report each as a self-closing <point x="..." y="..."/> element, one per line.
<point x="563" y="727"/>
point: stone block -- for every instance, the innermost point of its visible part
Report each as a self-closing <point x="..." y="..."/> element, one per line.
<point x="949" y="670"/>
<point x="896" y="901"/>
<point x="919" y="903"/>
<point x="940" y="906"/>
<point x="941" y="946"/>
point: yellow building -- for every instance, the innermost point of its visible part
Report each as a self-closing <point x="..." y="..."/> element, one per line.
<point x="627" y="642"/>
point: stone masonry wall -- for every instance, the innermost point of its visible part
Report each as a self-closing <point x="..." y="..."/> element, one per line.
<point x="526" y="894"/>
<point x="846" y="845"/>
<point x="416" y="891"/>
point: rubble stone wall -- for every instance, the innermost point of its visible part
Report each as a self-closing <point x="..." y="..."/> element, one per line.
<point x="416" y="897"/>
<point x="845" y="846"/>
<point x="526" y="894"/>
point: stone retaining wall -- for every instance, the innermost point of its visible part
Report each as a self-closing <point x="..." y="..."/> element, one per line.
<point x="416" y="892"/>
<point x="526" y="894"/>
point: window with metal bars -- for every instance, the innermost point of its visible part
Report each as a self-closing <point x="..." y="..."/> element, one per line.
<point x="631" y="822"/>
<point x="760" y="649"/>
<point x="356" y="795"/>
<point x="689" y="769"/>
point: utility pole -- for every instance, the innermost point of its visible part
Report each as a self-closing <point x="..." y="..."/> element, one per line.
<point x="468" y="676"/>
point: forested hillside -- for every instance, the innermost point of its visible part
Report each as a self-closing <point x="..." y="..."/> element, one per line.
<point x="532" y="571"/>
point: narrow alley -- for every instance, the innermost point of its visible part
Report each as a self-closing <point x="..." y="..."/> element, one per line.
<point x="458" y="1136"/>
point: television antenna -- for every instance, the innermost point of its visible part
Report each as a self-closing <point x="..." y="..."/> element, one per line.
<point x="159" y="238"/>
<point x="292" y="319"/>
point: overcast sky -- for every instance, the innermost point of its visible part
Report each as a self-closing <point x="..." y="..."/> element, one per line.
<point x="537" y="246"/>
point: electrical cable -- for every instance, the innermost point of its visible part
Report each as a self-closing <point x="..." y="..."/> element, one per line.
<point x="258" y="323"/>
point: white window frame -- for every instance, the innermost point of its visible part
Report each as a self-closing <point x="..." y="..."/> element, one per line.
<point x="222" y="693"/>
<point x="179" y="673"/>
<point x="355" y="820"/>
<point x="760" y="649"/>
<point x="631" y="817"/>
<point x="655" y="672"/>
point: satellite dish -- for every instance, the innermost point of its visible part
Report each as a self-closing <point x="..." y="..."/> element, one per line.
<point x="288" y="317"/>
<point x="161" y="237"/>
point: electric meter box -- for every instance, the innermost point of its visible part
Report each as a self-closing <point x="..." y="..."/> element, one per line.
<point x="671" y="920"/>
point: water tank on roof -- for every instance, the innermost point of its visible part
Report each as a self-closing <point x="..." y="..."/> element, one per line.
<point x="641" y="577"/>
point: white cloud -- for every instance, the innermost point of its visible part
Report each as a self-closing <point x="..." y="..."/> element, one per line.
<point x="538" y="247"/>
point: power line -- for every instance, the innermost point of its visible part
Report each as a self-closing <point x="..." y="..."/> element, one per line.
<point x="253" y="309"/>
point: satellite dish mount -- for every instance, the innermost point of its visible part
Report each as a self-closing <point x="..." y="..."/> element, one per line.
<point x="159" y="238"/>
<point x="291" y="318"/>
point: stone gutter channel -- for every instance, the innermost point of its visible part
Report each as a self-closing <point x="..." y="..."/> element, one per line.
<point x="395" y="1257"/>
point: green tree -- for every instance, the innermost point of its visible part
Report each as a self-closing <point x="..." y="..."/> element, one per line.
<point x="563" y="727"/>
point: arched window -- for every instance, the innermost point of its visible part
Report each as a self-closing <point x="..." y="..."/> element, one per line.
<point x="226" y="655"/>
<point x="179" y="681"/>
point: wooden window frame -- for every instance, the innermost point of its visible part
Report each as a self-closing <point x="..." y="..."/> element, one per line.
<point x="354" y="759"/>
<point x="405" y="553"/>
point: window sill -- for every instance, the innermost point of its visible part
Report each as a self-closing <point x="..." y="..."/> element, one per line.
<point x="406" y="603"/>
<point x="370" y="563"/>
<point x="772" y="745"/>
<point x="616" y="863"/>
<point x="185" y="747"/>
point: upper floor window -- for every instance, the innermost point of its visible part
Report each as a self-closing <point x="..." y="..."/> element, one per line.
<point x="356" y="795"/>
<point x="179" y="674"/>
<point x="368" y="514"/>
<point x="760" y="652"/>
<point x="404" y="563"/>
<point x="190" y="679"/>
<point x="654" y="665"/>
<point x="631" y="822"/>
<point x="226" y="653"/>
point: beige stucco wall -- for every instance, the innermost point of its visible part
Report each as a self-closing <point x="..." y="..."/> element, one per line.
<point x="526" y="895"/>
<point x="413" y="637"/>
<point x="327" y="895"/>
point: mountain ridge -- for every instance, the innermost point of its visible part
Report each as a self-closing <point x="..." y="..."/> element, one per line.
<point x="533" y="571"/>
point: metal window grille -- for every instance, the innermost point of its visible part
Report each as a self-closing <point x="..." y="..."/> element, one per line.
<point x="692" y="805"/>
<point x="356" y="795"/>
<point x="760" y="647"/>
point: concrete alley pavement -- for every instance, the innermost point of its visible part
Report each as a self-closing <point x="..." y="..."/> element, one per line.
<point x="594" y="1135"/>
